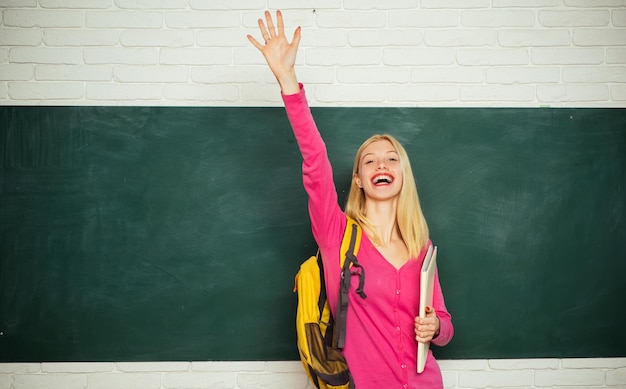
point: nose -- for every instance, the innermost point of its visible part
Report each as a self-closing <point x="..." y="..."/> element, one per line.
<point x="382" y="165"/>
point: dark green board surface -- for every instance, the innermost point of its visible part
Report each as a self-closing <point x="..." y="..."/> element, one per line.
<point x="148" y="234"/>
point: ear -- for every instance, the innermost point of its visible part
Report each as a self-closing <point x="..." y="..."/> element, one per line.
<point x="357" y="181"/>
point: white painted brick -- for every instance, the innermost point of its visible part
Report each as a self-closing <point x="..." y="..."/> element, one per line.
<point x="284" y="367"/>
<point x="455" y="4"/>
<point x="577" y="377"/>
<point x="291" y="4"/>
<point x="372" y="75"/>
<point x="423" y="19"/>
<point x="123" y="19"/>
<point x="18" y="3"/>
<point x="17" y="72"/>
<point x="227" y="74"/>
<point x="498" y="18"/>
<point x="142" y="74"/>
<point x="222" y="37"/>
<point x="362" y="38"/>
<point x="42" y="18"/>
<point x="418" y="57"/>
<point x="449" y="379"/>
<point x="524" y="364"/>
<point x="20" y="37"/>
<point x="194" y="56"/>
<point x="4" y="55"/>
<point x="5" y="380"/>
<point x="152" y="366"/>
<point x="498" y="379"/>
<point x="45" y="91"/>
<point x="343" y="57"/>
<point x="202" y="19"/>
<point x="267" y="95"/>
<point x="70" y="37"/>
<point x="618" y="92"/>
<point x="228" y="366"/>
<point x="526" y="38"/>
<point x="82" y="4"/>
<point x="492" y="57"/>
<point x="77" y="367"/>
<point x="618" y="17"/>
<point x="65" y="381"/>
<point x="572" y="93"/>
<point x="129" y="92"/>
<point x="522" y="75"/>
<point x="239" y="4"/>
<point x="525" y="3"/>
<point x="599" y="37"/>
<point x="412" y="94"/>
<point x="616" y="377"/>
<point x="312" y="75"/>
<point x="350" y="19"/>
<point x="595" y="74"/>
<point x="44" y="55"/>
<point x="586" y="18"/>
<point x="199" y="380"/>
<point x="358" y="93"/>
<point x="379" y="5"/>
<point x="615" y="55"/>
<point x="497" y="93"/>
<point x="463" y="364"/>
<point x="125" y="381"/>
<point x="324" y="38"/>
<point x="151" y="4"/>
<point x="460" y="38"/>
<point x="200" y="92"/>
<point x="19" y="368"/>
<point x="156" y="38"/>
<point x="593" y="363"/>
<point x="73" y="73"/>
<point x="567" y="56"/>
<point x="595" y="3"/>
<point x="126" y="55"/>
<point x="442" y="75"/>
<point x="271" y="381"/>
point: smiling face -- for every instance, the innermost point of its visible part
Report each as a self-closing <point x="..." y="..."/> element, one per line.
<point x="379" y="171"/>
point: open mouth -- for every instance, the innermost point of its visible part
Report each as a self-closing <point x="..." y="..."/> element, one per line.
<point x="382" y="179"/>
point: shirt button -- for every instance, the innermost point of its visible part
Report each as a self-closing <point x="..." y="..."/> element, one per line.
<point x="398" y="291"/>
<point x="405" y="386"/>
<point x="403" y="366"/>
<point x="398" y="329"/>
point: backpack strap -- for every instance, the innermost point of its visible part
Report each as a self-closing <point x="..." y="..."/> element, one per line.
<point x="349" y="266"/>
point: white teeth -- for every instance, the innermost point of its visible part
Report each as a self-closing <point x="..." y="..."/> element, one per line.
<point x="383" y="178"/>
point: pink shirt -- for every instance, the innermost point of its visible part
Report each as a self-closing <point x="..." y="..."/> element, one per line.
<point x="380" y="340"/>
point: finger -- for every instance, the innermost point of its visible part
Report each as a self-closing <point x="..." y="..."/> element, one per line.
<point x="279" y="21"/>
<point x="270" y="24"/>
<point x="296" y="37"/>
<point x="255" y="42"/>
<point x="263" y="30"/>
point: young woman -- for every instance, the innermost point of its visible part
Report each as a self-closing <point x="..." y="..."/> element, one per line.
<point x="383" y="329"/>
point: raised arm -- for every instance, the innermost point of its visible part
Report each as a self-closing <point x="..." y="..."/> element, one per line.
<point x="278" y="52"/>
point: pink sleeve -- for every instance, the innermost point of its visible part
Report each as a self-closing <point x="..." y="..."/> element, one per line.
<point x="327" y="219"/>
<point x="446" y="330"/>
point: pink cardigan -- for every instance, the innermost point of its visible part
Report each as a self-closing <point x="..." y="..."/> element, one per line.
<point x="380" y="340"/>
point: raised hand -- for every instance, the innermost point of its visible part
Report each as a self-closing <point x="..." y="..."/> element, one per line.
<point x="279" y="54"/>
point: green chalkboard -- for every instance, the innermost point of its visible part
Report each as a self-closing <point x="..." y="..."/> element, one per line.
<point x="174" y="233"/>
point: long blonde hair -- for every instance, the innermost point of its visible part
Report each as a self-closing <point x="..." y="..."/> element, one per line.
<point x="409" y="217"/>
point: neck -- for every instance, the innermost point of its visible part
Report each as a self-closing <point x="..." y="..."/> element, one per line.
<point x="382" y="215"/>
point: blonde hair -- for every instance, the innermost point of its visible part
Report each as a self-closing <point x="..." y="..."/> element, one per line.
<point x="409" y="217"/>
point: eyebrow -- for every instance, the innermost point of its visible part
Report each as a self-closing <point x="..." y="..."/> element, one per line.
<point x="387" y="152"/>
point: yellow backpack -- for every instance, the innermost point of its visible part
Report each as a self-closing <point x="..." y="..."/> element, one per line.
<point x="320" y="336"/>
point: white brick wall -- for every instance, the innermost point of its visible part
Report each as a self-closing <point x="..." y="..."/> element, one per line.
<point x="523" y="53"/>
<point x="458" y="374"/>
